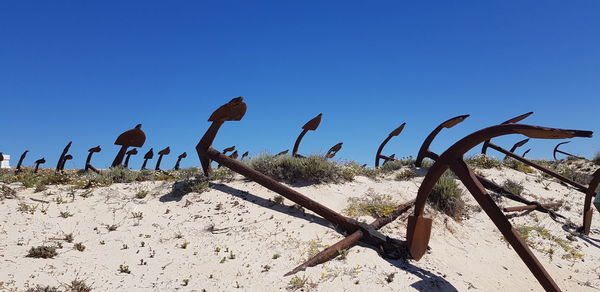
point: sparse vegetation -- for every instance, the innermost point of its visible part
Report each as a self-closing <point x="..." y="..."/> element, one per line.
<point x="514" y="187"/>
<point x="406" y="174"/>
<point x="312" y="169"/>
<point x="371" y="204"/>
<point x="27" y="208"/>
<point x="394" y="165"/>
<point x="7" y="193"/>
<point x="123" y="269"/>
<point x="43" y="252"/>
<point x="518" y="166"/>
<point x="447" y="197"/>
<point x="483" y="161"/>
<point x="79" y="246"/>
<point x="533" y="234"/>
<point x="141" y="194"/>
<point x="297" y="283"/>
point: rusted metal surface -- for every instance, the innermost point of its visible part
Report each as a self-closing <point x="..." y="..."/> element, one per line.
<point x="530" y="207"/>
<point x="244" y="155"/>
<point x="311" y="125"/>
<point x="419" y="227"/>
<point x="333" y="251"/>
<point x="424" y="151"/>
<point x="334" y="150"/>
<point x="228" y="149"/>
<point x="20" y="163"/>
<point x="62" y="156"/>
<point x="130" y="138"/>
<point x="149" y="155"/>
<point x="391" y="135"/>
<point x="517" y="145"/>
<point x="234" y="155"/>
<point x="128" y="156"/>
<point x="587" y="216"/>
<point x="88" y="161"/>
<point x="587" y="206"/>
<point x="387" y="159"/>
<point x="179" y="158"/>
<point x="525" y="153"/>
<point x="162" y="153"/>
<point x="38" y="163"/>
<point x="234" y="111"/>
<point x="64" y="161"/>
<point x="284" y="152"/>
<point x="562" y="152"/>
<point x="509" y="121"/>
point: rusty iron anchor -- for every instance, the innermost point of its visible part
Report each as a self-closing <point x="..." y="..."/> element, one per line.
<point x="181" y="156"/>
<point x="525" y="153"/>
<point x="62" y="156"/>
<point x="589" y="191"/>
<point x="64" y="161"/>
<point x="492" y="186"/>
<point x="424" y="151"/>
<point x="333" y="150"/>
<point x="244" y="155"/>
<point x="517" y="145"/>
<point x="562" y="152"/>
<point x="284" y="152"/>
<point x="88" y="161"/>
<point x="130" y="138"/>
<point x="20" y="163"/>
<point x="311" y="125"/>
<point x="419" y="227"/>
<point x="37" y="164"/>
<point x="228" y="149"/>
<point x="235" y="111"/>
<point x="149" y="155"/>
<point x="391" y="135"/>
<point x="162" y="153"/>
<point x="128" y="156"/>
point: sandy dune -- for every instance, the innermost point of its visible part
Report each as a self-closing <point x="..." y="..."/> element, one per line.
<point x="234" y="237"/>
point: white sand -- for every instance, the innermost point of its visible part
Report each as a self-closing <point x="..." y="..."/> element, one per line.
<point x="249" y="231"/>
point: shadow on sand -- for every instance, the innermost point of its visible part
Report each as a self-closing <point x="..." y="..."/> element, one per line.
<point x="428" y="282"/>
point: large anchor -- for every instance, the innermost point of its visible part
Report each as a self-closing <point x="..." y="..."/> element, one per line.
<point x="37" y="164"/>
<point x="181" y="156"/>
<point x="392" y="134"/>
<point x="367" y="233"/>
<point x="88" y="161"/>
<point x="162" y="153"/>
<point x="130" y="138"/>
<point x="149" y="155"/>
<point x="333" y="150"/>
<point x="311" y="125"/>
<point x="419" y="227"/>
<point x="488" y="184"/>
<point x="18" y="169"/>
<point x="61" y="160"/>
<point x="589" y="191"/>
<point x="424" y="151"/>
<point x="562" y="152"/>
<point x="128" y="156"/>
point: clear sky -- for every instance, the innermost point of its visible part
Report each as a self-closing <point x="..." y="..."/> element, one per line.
<point x="88" y="70"/>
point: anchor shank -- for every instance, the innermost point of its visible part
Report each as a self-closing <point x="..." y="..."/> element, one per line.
<point x="579" y="187"/>
<point x="336" y="219"/>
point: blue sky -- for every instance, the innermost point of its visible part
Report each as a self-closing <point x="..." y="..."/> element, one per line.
<point x="88" y="70"/>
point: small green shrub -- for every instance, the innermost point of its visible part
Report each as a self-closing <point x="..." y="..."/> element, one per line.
<point x="514" y="187"/>
<point x="371" y="204"/>
<point x="518" y="166"/>
<point x="394" y="165"/>
<point x="406" y="174"/>
<point x="483" y="161"/>
<point x="42" y="251"/>
<point x="447" y="197"/>
<point x="7" y="193"/>
<point x="311" y="169"/>
<point x="222" y="174"/>
<point x="141" y="194"/>
<point x="297" y="283"/>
